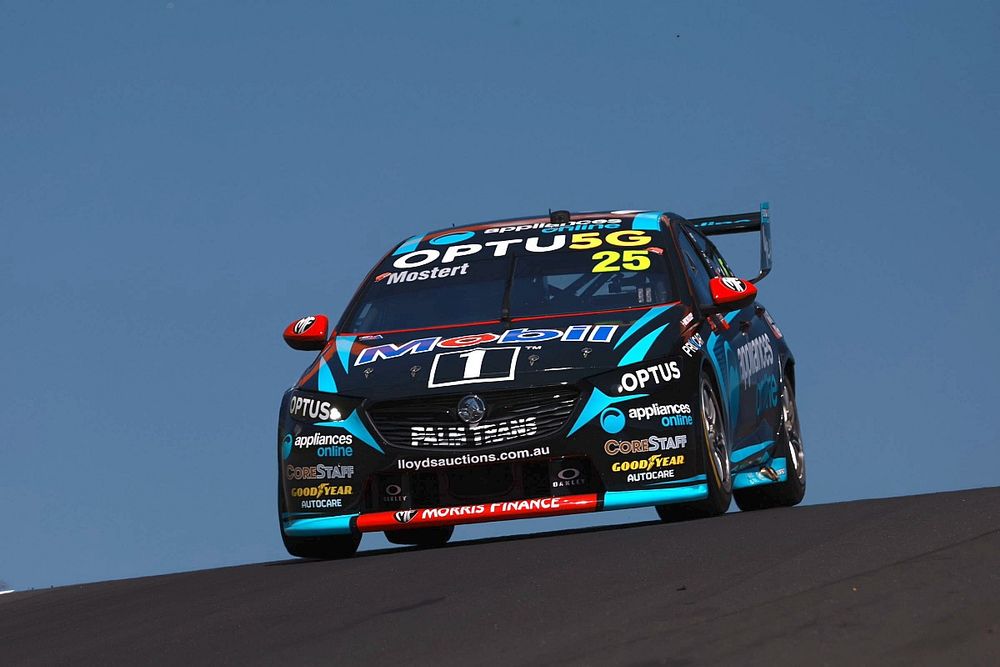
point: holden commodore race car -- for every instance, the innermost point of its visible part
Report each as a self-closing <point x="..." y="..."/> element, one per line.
<point x="538" y="367"/>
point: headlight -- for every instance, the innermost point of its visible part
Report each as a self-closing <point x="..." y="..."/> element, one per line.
<point x="309" y="407"/>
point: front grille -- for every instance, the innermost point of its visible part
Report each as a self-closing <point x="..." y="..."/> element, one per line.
<point x="512" y="417"/>
<point x="492" y="482"/>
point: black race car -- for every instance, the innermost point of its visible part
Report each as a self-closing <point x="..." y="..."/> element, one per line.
<point x="535" y="367"/>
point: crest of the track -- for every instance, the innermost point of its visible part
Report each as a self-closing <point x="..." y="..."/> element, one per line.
<point x="899" y="580"/>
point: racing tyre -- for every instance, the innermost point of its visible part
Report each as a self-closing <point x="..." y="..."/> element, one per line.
<point x="793" y="489"/>
<point x="327" y="547"/>
<point x="715" y="456"/>
<point x="322" y="547"/>
<point x="421" y="537"/>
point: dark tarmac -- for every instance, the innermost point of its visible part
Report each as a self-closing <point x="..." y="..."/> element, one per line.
<point x="912" y="580"/>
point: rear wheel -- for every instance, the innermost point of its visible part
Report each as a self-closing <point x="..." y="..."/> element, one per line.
<point x="421" y="537"/>
<point x="714" y="452"/>
<point x="793" y="489"/>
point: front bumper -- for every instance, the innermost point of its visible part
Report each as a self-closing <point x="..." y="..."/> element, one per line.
<point x="493" y="511"/>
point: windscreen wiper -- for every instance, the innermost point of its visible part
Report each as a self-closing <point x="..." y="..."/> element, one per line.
<point x="508" y="284"/>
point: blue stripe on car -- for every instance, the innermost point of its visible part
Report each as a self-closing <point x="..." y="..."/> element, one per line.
<point x="409" y="245"/>
<point x="649" y="221"/>
<point x="344" y="344"/>
<point x="596" y="403"/>
<point x="646" y="318"/>
<point x="324" y="379"/>
<point x="614" y="500"/>
<point x="321" y="525"/>
<point x="355" y="427"/>
<point x="746" y="452"/>
<point x="639" y="351"/>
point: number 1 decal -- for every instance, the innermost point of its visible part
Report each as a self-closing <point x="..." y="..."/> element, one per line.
<point x="473" y="364"/>
<point x="493" y="364"/>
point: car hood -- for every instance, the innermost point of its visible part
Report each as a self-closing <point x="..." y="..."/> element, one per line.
<point x="481" y="357"/>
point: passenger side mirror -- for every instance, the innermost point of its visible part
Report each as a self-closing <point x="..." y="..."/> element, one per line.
<point x="732" y="293"/>
<point x="309" y="333"/>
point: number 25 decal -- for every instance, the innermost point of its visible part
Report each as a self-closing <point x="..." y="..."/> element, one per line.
<point x="631" y="260"/>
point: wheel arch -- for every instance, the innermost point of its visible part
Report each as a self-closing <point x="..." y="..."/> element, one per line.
<point x="788" y="371"/>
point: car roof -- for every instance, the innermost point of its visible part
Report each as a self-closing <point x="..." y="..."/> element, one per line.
<point x="624" y="215"/>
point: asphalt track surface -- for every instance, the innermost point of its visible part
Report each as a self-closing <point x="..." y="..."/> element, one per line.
<point x="912" y="580"/>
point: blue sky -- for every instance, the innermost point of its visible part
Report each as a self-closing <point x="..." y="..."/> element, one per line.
<point x="180" y="180"/>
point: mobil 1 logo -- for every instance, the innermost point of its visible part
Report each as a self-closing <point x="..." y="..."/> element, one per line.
<point x="491" y="364"/>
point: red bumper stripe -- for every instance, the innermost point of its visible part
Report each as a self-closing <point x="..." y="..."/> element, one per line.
<point x="450" y="516"/>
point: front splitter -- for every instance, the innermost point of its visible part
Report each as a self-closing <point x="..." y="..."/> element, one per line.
<point x="494" y="511"/>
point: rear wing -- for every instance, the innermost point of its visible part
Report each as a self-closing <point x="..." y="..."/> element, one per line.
<point x="738" y="223"/>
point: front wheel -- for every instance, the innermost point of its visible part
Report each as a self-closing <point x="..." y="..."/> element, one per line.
<point x="325" y="547"/>
<point x="714" y="452"/>
<point x="321" y="547"/>
<point x="793" y="489"/>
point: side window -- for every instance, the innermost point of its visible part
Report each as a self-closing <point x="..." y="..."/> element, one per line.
<point x="712" y="255"/>
<point x="696" y="270"/>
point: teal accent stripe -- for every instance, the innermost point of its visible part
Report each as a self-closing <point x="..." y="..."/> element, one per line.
<point x="743" y="480"/>
<point x="641" y="348"/>
<point x="324" y="379"/>
<point x="409" y="245"/>
<point x="746" y="452"/>
<point x="344" y="344"/>
<point x="649" y="221"/>
<point x="322" y="525"/>
<point x="355" y="427"/>
<point x="616" y="500"/>
<point x="596" y="403"/>
<point x="646" y="318"/>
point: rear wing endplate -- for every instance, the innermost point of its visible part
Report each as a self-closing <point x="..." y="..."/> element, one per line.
<point x="738" y="223"/>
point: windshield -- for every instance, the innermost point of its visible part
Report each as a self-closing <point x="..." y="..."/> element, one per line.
<point x="512" y="286"/>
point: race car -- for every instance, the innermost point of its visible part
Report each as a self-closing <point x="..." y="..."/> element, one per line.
<point x="574" y="362"/>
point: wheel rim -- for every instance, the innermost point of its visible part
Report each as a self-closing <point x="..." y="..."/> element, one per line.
<point x="793" y="436"/>
<point x="715" y="436"/>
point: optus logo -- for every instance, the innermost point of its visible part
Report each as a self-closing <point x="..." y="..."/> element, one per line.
<point x="612" y="420"/>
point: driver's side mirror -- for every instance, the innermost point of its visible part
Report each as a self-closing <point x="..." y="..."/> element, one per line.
<point x="309" y="333"/>
<point x="732" y="293"/>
